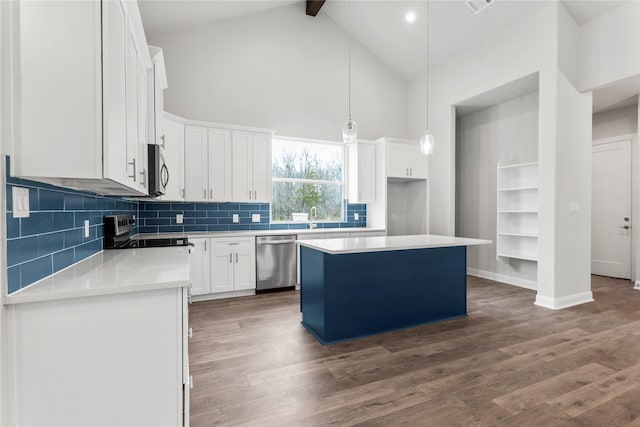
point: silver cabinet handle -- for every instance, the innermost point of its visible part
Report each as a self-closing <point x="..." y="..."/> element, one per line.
<point x="205" y="245"/>
<point x="134" y="170"/>
<point x="249" y="194"/>
<point x="410" y="171"/>
<point x="236" y="257"/>
<point x="255" y="194"/>
<point x="143" y="173"/>
<point x="230" y="258"/>
<point x="204" y="196"/>
<point x="624" y="227"/>
<point x="407" y="171"/>
<point x="211" y="194"/>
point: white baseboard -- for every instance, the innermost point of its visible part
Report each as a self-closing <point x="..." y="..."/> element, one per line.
<point x="564" y="302"/>
<point x="637" y="285"/>
<point x="232" y="294"/>
<point x="516" y="281"/>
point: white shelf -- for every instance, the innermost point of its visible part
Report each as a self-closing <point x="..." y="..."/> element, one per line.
<point x="518" y="189"/>
<point x="526" y="257"/>
<point x="518" y="165"/>
<point x="531" y="235"/>
<point x="517" y="208"/>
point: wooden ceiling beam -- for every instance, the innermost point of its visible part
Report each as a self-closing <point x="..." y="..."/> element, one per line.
<point x="314" y="6"/>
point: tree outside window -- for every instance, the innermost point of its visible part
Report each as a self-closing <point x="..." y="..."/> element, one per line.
<point x="307" y="174"/>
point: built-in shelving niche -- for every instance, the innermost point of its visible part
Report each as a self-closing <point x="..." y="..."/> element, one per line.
<point x="517" y="211"/>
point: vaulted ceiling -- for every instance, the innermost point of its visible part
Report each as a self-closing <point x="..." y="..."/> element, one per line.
<point x="379" y="25"/>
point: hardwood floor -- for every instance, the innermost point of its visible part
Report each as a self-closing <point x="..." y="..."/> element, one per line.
<point x="509" y="363"/>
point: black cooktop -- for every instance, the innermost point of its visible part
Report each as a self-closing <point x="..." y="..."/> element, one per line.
<point x="151" y="243"/>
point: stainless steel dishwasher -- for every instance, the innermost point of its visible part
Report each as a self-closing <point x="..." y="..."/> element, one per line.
<point x="276" y="262"/>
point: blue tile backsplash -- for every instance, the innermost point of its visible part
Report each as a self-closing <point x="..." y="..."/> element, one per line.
<point x="160" y="217"/>
<point x="52" y="237"/>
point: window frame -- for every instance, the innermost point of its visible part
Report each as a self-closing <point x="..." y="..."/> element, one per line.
<point x="343" y="183"/>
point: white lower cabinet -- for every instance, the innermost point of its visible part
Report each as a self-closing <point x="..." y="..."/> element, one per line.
<point x="117" y="360"/>
<point x="220" y="265"/>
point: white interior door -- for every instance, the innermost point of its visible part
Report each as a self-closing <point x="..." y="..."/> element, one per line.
<point x="611" y="209"/>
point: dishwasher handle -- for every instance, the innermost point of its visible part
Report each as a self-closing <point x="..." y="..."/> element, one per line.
<point x="277" y="242"/>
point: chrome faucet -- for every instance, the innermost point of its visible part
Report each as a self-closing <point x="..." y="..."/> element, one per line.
<point x="313" y="216"/>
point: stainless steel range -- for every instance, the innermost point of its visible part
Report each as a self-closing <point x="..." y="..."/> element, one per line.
<point x="117" y="235"/>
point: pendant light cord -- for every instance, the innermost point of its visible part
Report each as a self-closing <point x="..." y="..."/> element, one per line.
<point x="349" y="60"/>
<point x="427" y="69"/>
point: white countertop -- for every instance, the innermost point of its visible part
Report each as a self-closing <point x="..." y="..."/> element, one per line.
<point x="112" y="272"/>
<point x="388" y="243"/>
<point x="250" y="233"/>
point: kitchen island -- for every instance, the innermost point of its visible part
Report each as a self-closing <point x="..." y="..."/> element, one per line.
<point x="355" y="287"/>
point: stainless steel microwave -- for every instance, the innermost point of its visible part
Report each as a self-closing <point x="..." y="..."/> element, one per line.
<point x="158" y="171"/>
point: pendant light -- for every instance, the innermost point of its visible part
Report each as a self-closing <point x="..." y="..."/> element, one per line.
<point x="350" y="128"/>
<point x="427" y="140"/>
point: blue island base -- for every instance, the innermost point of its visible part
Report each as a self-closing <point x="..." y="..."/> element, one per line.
<point x="348" y="296"/>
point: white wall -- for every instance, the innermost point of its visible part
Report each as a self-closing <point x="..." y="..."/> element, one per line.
<point x="507" y="134"/>
<point x="284" y="70"/>
<point x="609" y="47"/>
<point x="621" y="121"/>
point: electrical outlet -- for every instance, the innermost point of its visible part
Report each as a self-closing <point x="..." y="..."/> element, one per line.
<point x="356" y="216"/>
<point x="236" y="218"/>
<point x="20" y="198"/>
<point x="179" y="218"/>
<point x="86" y="228"/>
<point x="255" y="217"/>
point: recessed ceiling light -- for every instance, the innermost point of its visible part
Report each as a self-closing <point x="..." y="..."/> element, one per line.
<point x="410" y="17"/>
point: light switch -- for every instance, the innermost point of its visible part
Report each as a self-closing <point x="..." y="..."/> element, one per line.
<point x="86" y="228"/>
<point x="236" y="218"/>
<point x="179" y="218"/>
<point x="20" y="198"/>
<point x="255" y="217"/>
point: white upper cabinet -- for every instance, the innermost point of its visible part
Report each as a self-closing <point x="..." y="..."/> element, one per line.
<point x="157" y="84"/>
<point x="174" y="150"/>
<point x="81" y="126"/>
<point x="404" y="159"/>
<point x="196" y="164"/>
<point x="220" y="164"/>
<point x="251" y="156"/>
<point x="362" y="172"/>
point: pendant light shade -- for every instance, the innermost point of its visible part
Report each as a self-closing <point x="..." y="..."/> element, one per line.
<point x="350" y="128"/>
<point x="427" y="140"/>
<point x="350" y="132"/>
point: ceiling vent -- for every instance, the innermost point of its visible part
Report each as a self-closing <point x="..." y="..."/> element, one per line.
<point x="478" y="6"/>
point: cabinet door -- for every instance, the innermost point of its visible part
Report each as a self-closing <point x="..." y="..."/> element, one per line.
<point x="196" y="164"/>
<point x="261" y="170"/>
<point x="397" y="165"/>
<point x="200" y="265"/>
<point x="174" y="158"/>
<point x="244" y="268"/>
<point x="366" y="173"/>
<point x="220" y="165"/>
<point x="158" y="97"/>
<point x="115" y="40"/>
<point x="222" y="263"/>
<point x="131" y="85"/>
<point x="418" y="166"/>
<point x="242" y="164"/>
<point x="142" y="155"/>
